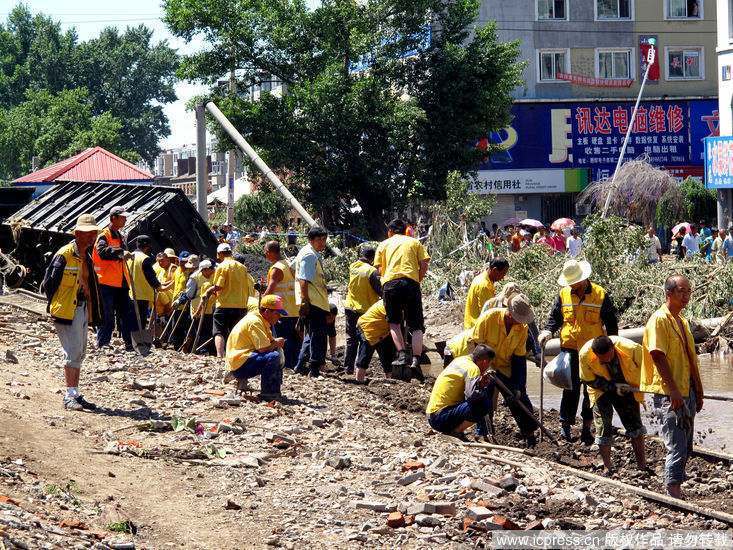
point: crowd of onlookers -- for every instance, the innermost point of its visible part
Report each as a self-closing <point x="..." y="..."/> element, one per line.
<point x="517" y="237"/>
<point x="715" y="245"/>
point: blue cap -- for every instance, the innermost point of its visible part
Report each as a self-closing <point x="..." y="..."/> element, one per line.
<point x="183" y="255"/>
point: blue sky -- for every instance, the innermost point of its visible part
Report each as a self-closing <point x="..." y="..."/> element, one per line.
<point x="90" y="17"/>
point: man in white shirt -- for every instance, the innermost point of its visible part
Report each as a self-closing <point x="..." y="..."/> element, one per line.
<point x="654" y="250"/>
<point x="575" y="244"/>
<point x="716" y="255"/>
<point x="691" y="242"/>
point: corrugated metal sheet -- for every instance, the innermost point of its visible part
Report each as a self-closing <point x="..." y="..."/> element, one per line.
<point x="95" y="164"/>
<point x="163" y="213"/>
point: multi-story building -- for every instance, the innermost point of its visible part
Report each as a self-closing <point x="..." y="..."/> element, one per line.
<point x="586" y="61"/>
<point x="720" y="175"/>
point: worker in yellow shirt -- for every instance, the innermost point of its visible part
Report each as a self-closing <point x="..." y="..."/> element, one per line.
<point x="365" y="289"/>
<point x="461" y="395"/>
<point x="232" y="290"/>
<point x="403" y="262"/>
<point x="671" y="372"/>
<point x="281" y="282"/>
<point x="187" y="264"/>
<point x="372" y="331"/>
<point x="143" y="284"/>
<point x="482" y="290"/>
<point x="198" y="283"/>
<point x="252" y="350"/>
<point x="611" y="367"/>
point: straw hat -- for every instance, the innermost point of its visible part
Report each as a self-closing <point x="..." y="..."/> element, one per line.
<point x="193" y="262"/>
<point x="520" y="309"/>
<point x="170" y="253"/>
<point x="508" y="290"/>
<point x="573" y="272"/>
<point x="86" y="222"/>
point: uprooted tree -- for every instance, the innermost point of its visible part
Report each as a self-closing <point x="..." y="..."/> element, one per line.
<point x="384" y="98"/>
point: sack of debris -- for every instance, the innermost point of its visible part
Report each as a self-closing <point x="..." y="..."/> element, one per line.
<point x="557" y="371"/>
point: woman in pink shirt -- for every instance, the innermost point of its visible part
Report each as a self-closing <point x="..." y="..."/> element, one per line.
<point x="558" y="241"/>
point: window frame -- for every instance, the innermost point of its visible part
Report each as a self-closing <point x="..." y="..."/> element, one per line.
<point x="632" y="62"/>
<point x="537" y="11"/>
<point x="701" y="59"/>
<point x="699" y="17"/>
<point x="566" y="69"/>
<point x="629" y="18"/>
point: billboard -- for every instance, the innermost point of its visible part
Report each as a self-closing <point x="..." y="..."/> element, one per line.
<point x="719" y="162"/>
<point x="503" y="182"/>
<point x="590" y="134"/>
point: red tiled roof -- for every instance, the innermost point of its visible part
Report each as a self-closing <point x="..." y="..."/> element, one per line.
<point x="95" y="164"/>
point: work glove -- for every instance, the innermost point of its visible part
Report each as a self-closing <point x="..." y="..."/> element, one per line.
<point x="258" y="287"/>
<point x="305" y="309"/>
<point x="120" y="253"/>
<point x="544" y="337"/>
<point x="181" y="299"/>
<point x="623" y="389"/>
<point x="127" y="255"/>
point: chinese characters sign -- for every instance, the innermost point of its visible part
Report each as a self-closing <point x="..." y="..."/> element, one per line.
<point x="719" y="162"/>
<point x="529" y="181"/>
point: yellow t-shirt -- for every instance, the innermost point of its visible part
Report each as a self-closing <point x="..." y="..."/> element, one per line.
<point x="630" y="356"/>
<point x="400" y="256"/>
<point x="450" y="386"/>
<point x="250" y="334"/>
<point x="231" y="276"/>
<point x="662" y="334"/>
<point x="491" y="330"/>
<point x="374" y="323"/>
<point x="253" y="304"/>
<point x="459" y="345"/>
<point x="481" y="290"/>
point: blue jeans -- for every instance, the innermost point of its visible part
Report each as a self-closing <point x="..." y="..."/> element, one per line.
<point x="285" y="328"/>
<point x="267" y="365"/>
<point x="313" y="349"/>
<point x="677" y="441"/>
<point x="115" y="302"/>
<point x="448" y="419"/>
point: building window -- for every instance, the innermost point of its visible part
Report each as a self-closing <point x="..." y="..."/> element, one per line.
<point x="684" y="63"/>
<point x="613" y="64"/>
<point x="551" y="9"/>
<point x="684" y="9"/>
<point x="613" y="9"/>
<point x="553" y="62"/>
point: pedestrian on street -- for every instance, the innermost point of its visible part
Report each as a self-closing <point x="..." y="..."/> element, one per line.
<point x="461" y="395"/>
<point x="575" y="243"/>
<point x="403" y="262"/>
<point x="728" y="245"/>
<point x="610" y="366"/>
<point x="74" y="302"/>
<point x="311" y="296"/>
<point x="716" y="254"/>
<point x="671" y="372"/>
<point x="691" y="242"/>
<point x="231" y="289"/>
<point x="482" y="290"/>
<point x="582" y="311"/>
<point x="114" y="281"/>
<point x="281" y="282"/>
<point x="653" y="251"/>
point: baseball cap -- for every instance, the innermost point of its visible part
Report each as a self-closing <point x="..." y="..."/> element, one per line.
<point x="183" y="255"/>
<point x="119" y="211"/>
<point x="223" y="247"/>
<point x="206" y="264"/>
<point x="273" y="301"/>
<point x="86" y="222"/>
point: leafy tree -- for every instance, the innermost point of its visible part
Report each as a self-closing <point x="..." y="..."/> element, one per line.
<point x="687" y="201"/>
<point x="266" y="207"/>
<point x="385" y="98"/>
<point x="461" y="202"/>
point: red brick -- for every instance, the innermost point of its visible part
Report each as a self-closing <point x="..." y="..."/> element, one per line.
<point x="466" y="523"/>
<point x="506" y="523"/>
<point x="411" y="466"/>
<point x="396" y="519"/>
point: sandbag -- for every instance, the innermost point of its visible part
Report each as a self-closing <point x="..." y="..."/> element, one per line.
<point x="558" y="373"/>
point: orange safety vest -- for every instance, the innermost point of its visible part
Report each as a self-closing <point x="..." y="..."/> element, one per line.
<point x="109" y="272"/>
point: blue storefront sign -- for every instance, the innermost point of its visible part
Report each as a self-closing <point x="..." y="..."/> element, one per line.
<point x="719" y="162"/>
<point x="590" y="135"/>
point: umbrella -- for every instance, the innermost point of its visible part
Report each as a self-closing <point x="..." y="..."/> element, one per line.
<point x="533" y="223"/>
<point x="676" y="228"/>
<point x="562" y="223"/>
<point x="511" y="221"/>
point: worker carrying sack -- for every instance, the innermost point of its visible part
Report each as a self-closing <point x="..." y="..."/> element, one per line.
<point x="557" y="371"/>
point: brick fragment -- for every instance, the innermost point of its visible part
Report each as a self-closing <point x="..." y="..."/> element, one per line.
<point x="396" y="519"/>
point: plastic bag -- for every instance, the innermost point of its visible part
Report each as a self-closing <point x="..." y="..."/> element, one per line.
<point x="557" y="372"/>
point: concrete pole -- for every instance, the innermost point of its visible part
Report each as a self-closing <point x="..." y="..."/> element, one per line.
<point x="721" y="207"/>
<point x="231" y="159"/>
<point x="201" y="167"/>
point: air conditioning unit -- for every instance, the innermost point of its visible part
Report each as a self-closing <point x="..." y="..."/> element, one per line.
<point x="582" y="209"/>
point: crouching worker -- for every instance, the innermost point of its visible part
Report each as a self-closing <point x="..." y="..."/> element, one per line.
<point x="461" y="396"/>
<point x="610" y="366"/>
<point x="372" y="330"/>
<point x="251" y="349"/>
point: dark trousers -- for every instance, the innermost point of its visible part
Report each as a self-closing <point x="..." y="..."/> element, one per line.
<point x="518" y="382"/>
<point x="352" y="340"/>
<point x="570" y="398"/>
<point x="285" y="328"/>
<point x="313" y="349"/>
<point x="448" y="419"/>
<point x="205" y="335"/>
<point x="385" y="350"/>
<point x="142" y="308"/>
<point x="179" y="334"/>
<point x="116" y="302"/>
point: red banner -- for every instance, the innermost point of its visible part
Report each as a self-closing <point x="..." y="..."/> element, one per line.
<point x="643" y="55"/>
<point x="598" y="82"/>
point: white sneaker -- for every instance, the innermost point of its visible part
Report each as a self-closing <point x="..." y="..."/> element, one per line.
<point x="71" y="404"/>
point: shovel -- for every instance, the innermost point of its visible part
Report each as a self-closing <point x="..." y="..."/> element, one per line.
<point x="159" y="340"/>
<point x="142" y="340"/>
<point x="181" y="315"/>
<point x="542" y="387"/>
<point x="204" y="305"/>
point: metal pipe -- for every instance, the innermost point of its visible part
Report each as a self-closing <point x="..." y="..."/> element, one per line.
<point x="201" y="165"/>
<point x="252" y="154"/>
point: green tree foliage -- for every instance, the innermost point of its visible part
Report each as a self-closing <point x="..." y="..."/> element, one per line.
<point x="688" y="201"/>
<point x="59" y="96"/>
<point x="461" y="202"/>
<point x="266" y="207"/>
<point x="385" y="98"/>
